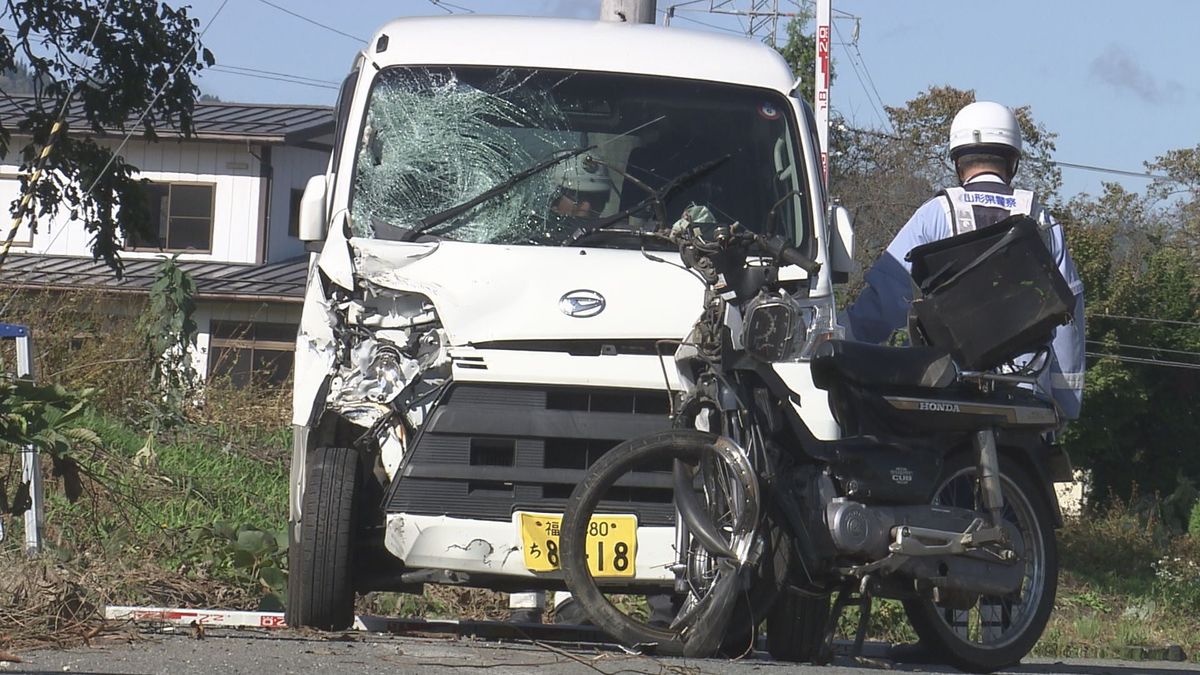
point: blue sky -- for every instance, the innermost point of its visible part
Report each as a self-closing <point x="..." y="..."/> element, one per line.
<point x="1118" y="81"/>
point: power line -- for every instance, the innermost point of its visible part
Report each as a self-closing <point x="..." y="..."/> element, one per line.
<point x="1182" y="352"/>
<point x="861" y="83"/>
<point x="1149" y="362"/>
<point x="1122" y="172"/>
<point x="450" y="7"/>
<point x="703" y="23"/>
<point x="273" y="72"/>
<point x="314" y="22"/>
<point x="1069" y="165"/>
<point x="278" y="77"/>
<point x="1195" y="324"/>
<point x="871" y="80"/>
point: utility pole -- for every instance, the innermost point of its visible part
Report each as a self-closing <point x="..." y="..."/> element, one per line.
<point x="821" y="84"/>
<point x="628" y="11"/>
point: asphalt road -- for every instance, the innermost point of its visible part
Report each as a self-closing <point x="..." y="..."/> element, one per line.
<point x="288" y="652"/>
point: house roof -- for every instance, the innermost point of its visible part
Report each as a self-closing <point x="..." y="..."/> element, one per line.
<point x="260" y="122"/>
<point x="280" y="281"/>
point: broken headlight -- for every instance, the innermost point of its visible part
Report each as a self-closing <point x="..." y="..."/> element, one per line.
<point x="772" y="324"/>
<point x="782" y="328"/>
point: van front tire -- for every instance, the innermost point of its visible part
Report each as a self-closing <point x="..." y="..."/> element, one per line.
<point x="322" y="589"/>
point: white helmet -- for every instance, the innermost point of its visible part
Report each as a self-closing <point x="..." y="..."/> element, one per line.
<point x="578" y="174"/>
<point x="983" y="124"/>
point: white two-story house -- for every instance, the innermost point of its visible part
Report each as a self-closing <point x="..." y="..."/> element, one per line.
<point x="226" y="199"/>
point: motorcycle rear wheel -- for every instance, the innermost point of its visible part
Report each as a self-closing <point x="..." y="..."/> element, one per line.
<point x="996" y="632"/>
<point x="708" y="608"/>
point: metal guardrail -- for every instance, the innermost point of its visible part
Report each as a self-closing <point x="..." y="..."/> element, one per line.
<point x="31" y="472"/>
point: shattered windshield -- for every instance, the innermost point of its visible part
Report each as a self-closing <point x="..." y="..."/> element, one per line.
<point x="436" y="137"/>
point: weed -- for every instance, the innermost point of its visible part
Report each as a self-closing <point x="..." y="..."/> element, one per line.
<point x="1087" y="598"/>
<point x="1088" y="628"/>
<point x="1132" y="631"/>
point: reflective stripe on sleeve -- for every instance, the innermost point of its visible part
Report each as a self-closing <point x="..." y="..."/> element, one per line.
<point x="1067" y="380"/>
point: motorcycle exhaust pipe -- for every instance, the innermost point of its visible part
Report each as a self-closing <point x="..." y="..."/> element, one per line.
<point x="964" y="575"/>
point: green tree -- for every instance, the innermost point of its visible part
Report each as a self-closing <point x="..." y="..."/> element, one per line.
<point x="1138" y="424"/>
<point x="126" y="64"/>
<point x="800" y="52"/>
<point x="1182" y="191"/>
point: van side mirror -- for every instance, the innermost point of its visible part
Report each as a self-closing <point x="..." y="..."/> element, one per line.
<point x="312" y="210"/>
<point x="841" y="244"/>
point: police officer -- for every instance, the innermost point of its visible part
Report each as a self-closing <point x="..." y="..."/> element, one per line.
<point x="985" y="146"/>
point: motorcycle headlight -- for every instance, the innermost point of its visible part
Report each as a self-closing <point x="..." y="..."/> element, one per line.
<point x="771" y="327"/>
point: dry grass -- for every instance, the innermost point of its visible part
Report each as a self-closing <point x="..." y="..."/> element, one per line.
<point x="45" y="602"/>
<point x="83" y="339"/>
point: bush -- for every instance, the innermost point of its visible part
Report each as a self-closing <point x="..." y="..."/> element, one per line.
<point x="1194" y="521"/>
<point x="1118" y="545"/>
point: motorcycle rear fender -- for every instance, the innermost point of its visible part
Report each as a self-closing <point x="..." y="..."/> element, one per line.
<point x="1049" y="464"/>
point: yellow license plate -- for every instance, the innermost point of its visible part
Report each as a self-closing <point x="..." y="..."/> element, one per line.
<point x="611" y="543"/>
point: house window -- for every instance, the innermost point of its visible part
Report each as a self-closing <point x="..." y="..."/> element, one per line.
<point x="294" y="212"/>
<point x="252" y="353"/>
<point x="184" y="213"/>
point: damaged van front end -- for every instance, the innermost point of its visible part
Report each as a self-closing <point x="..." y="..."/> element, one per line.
<point x="486" y="315"/>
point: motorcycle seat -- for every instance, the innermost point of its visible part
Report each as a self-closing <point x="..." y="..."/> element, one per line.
<point x="877" y="366"/>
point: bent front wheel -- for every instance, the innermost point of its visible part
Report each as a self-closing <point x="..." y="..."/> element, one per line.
<point x="997" y="631"/>
<point x="700" y="608"/>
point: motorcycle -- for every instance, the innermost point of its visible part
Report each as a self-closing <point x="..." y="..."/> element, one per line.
<point x="939" y="493"/>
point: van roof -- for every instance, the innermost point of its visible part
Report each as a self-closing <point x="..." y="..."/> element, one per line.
<point x="574" y="44"/>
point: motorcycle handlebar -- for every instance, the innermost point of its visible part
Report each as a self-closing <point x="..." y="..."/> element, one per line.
<point x="775" y="246"/>
<point x="788" y="255"/>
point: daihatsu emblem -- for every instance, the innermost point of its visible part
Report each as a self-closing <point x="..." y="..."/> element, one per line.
<point x="581" y="304"/>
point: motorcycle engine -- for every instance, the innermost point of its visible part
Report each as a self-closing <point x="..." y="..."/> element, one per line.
<point x="859" y="531"/>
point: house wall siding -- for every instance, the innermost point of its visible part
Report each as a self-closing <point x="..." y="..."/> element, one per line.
<point x="293" y="167"/>
<point x="238" y="192"/>
<point x="231" y="168"/>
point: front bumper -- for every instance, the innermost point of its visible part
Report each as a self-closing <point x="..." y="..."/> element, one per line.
<point x="491" y="448"/>
<point x="487" y="548"/>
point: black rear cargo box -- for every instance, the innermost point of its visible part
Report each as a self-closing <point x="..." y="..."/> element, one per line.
<point x="991" y="295"/>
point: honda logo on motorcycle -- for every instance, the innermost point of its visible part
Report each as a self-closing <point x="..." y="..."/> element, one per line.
<point x="939" y="406"/>
<point x="581" y="304"/>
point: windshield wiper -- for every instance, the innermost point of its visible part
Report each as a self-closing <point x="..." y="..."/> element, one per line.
<point x="430" y="222"/>
<point x="657" y="197"/>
